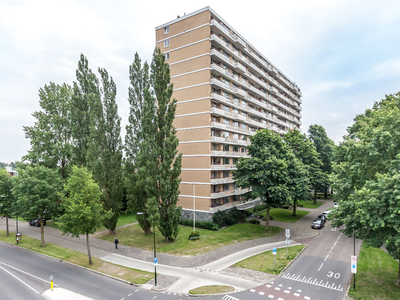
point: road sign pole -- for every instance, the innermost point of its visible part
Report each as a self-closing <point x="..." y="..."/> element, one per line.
<point x="354" y="280"/>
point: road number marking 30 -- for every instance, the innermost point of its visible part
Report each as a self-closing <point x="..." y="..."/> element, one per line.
<point x="336" y="275"/>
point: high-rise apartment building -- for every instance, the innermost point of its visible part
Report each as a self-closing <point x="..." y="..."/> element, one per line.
<point x="226" y="91"/>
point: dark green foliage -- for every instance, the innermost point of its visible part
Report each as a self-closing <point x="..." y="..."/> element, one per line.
<point x="104" y="153"/>
<point x="254" y="221"/>
<point x="7" y="207"/>
<point x="139" y="142"/>
<point x="37" y="189"/>
<point x="85" y="98"/>
<point x="229" y="217"/>
<point x="50" y="136"/>
<point x="200" y="224"/>
<point x="194" y="235"/>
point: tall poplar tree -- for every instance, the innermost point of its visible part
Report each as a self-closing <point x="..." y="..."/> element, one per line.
<point x="167" y="165"/>
<point x="139" y="142"/>
<point x="50" y="136"/>
<point x="6" y="198"/>
<point x="104" y="153"/>
<point x="86" y="94"/>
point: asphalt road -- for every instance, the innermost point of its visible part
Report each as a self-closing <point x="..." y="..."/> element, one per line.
<point x="321" y="272"/>
<point x="25" y="275"/>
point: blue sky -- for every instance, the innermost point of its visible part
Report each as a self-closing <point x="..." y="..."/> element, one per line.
<point x="342" y="54"/>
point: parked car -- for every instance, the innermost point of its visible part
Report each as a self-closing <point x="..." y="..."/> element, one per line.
<point x="317" y="224"/>
<point x="335" y="204"/>
<point x="36" y="222"/>
<point x="322" y="217"/>
<point x="325" y="213"/>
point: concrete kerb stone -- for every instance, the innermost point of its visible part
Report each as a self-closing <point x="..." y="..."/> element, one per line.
<point x="210" y="295"/>
<point x="63" y="261"/>
<point x="298" y="254"/>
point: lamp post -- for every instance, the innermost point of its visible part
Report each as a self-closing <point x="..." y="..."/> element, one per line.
<point x="155" y="256"/>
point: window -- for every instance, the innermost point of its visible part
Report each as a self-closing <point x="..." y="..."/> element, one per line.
<point x="244" y="138"/>
<point x="235" y="148"/>
<point x="243" y="149"/>
<point x="235" y="136"/>
<point x="215" y="146"/>
<point x="213" y="104"/>
<point x="226" y="160"/>
<point x="226" y="121"/>
<point x="216" y="161"/>
<point x="235" y="100"/>
<point x="166" y="56"/>
<point x="235" y="124"/>
<point x="244" y="126"/>
<point x="226" y="108"/>
<point x="235" y="198"/>
<point x="227" y="174"/>
<point x="226" y="187"/>
<point x="235" y="111"/>
<point x="166" y="29"/>
<point x="225" y="199"/>
<point x="215" y="133"/>
<point x="225" y="134"/>
<point x="235" y="160"/>
<point x="214" y="189"/>
<point x="227" y="95"/>
<point x="166" y="43"/>
<point x="226" y="147"/>
<point x="215" y="119"/>
<point x="244" y="103"/>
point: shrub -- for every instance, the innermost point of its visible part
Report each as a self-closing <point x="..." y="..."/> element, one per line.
<point x="194" y="234"/>
<point x="254" y="221"/>
<point x="200" y="224"/>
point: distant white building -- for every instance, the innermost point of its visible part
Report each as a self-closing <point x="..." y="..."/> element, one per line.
<point x="11" y="171"/>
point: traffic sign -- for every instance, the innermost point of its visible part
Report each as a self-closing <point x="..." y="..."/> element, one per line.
<point x="274" y="251"/>
<point x="354" y="264"/>
<point x="287" y="233"/>
<point x="155" y="260"/>
<point x="287" y="242"/>
<point x="51" y="277"/>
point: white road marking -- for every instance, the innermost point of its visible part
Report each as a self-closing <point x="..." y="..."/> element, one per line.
<point x="20" y="280"/>
<point x="277" y="288"/>
<point x="297" y="295"/>
<point x="261" y="293"/>
<point x="326" y="257"/>
<point x="286" y="291"/>
<point x="320" y="267"/>
<point x="313" y="282"/>
<point x="268" y="285"/>
<point x="307" y="298"/>
<point x="154" y="297"/>
<point x="130" y="295"/>
<point x="137" y="290"/>
<point x="298" y="291"/>
<point x="252" y="290"/>
<point x="26" y="273"/>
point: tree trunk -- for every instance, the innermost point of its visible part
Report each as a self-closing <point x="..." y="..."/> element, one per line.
<point x="315" y="195"/>
<point x="111" y="231"/>
<point x="8" y="232"/>
<point x="267" y="217"/>
<point x="42" y="232"/>
<point x="88" y="249"/>
<point x="294" y="207"/>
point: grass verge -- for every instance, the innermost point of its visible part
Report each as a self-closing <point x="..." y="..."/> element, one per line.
<point x="264" y="262"/>
<point x="128" y="274"/>
<point x="133" y="236"/>
<point x="212" y="289"/>
<point x="285" y="215"/>
<point x="310" y="204"/>
<point x="123" y="219"/>
<point x="376" y="274"/>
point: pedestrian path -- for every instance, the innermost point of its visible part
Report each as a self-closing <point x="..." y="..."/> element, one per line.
<point x="205" y="269"/>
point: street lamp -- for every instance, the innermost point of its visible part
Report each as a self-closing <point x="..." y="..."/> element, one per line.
<point x="155" y="256"/>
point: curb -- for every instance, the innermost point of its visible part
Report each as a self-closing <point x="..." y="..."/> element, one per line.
<point x="298" y="254"/>
<point x="210" y="295"/>
<point x="63" y="261"/>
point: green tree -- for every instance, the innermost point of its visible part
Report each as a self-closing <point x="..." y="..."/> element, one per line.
<point x="165" y="161"/>
<point x="367" y="177"/>
<point x="266" y="172"/>
<point x="50" y="136"/>
<point x="104" y="154"/>
<point x="299" y="182"/>
<point x="6" y="197"/>
<point x="325" y="148"/>
<point x="83" y="209"/>
<point x="37" y="190"/>
<point x="305" y="151"/>
<point x="139" y="141"/>
<point x="86" y="95"/>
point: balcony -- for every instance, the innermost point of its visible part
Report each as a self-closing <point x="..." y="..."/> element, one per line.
<point x="223" y="167"/>
<point x="222" y="180"/>
<point x="227" y="32"/>
<point x="228" y="193"/>
<point x="224" y="85"/>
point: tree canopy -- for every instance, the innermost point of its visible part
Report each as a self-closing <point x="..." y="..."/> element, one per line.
<point x="367" y="177"/>
<point x="6" y="197"/>
<point x="37" y="190"/>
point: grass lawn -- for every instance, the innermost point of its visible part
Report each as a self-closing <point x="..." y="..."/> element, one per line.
<point x="376" y="274"/>
<point x="132" y="275"/>
<point x="264" y="262"/>
<point x="322" y="196"/>
<point x="123" y="220"/>
<point x="310" y="204"/>
<point x="212" y="289"/>
<point x="133" y="236"/>
<point x="285" y="215"/>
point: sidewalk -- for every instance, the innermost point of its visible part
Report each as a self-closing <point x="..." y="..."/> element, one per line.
<point x="193" y="271"/>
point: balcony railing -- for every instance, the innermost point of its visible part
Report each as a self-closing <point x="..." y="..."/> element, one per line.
<point x="223" y="167"/>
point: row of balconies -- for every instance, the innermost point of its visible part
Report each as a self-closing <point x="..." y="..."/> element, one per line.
<point x="229" y="140"/>
<point x="241" y="81"/>
<point x="222" y="180"/>
<point x="228" y="193"/>
<point x="248" y="109"/>
<point x="227" y="32"/>
<point x="228" y="153"/>
<point x="252" y="65"/>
